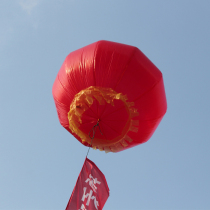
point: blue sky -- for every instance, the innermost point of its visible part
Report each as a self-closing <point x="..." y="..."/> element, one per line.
<point x="40" y="161"/>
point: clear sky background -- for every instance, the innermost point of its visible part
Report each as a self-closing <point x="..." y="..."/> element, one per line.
<point x="40" y="161"/>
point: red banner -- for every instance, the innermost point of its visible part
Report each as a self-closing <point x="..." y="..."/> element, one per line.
<point x="91" y="190"/>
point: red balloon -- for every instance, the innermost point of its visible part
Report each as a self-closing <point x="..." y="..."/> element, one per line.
<point x="110" y="96"/>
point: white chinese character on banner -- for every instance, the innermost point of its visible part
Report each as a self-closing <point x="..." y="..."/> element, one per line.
<point x="82" y="207"/>
<point x="89" y="197"/>
<point x="93" y="182"/>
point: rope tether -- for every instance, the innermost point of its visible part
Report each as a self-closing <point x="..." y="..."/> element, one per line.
<point x="94" y="131"/>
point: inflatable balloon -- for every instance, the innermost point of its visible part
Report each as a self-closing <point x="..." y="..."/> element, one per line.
<point x="110" y="96"/>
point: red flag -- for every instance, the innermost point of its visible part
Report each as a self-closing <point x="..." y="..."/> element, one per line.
<point x="91" y="190"/>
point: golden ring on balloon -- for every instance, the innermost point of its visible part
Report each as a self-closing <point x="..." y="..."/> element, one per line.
<point x="84" y="99"/>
